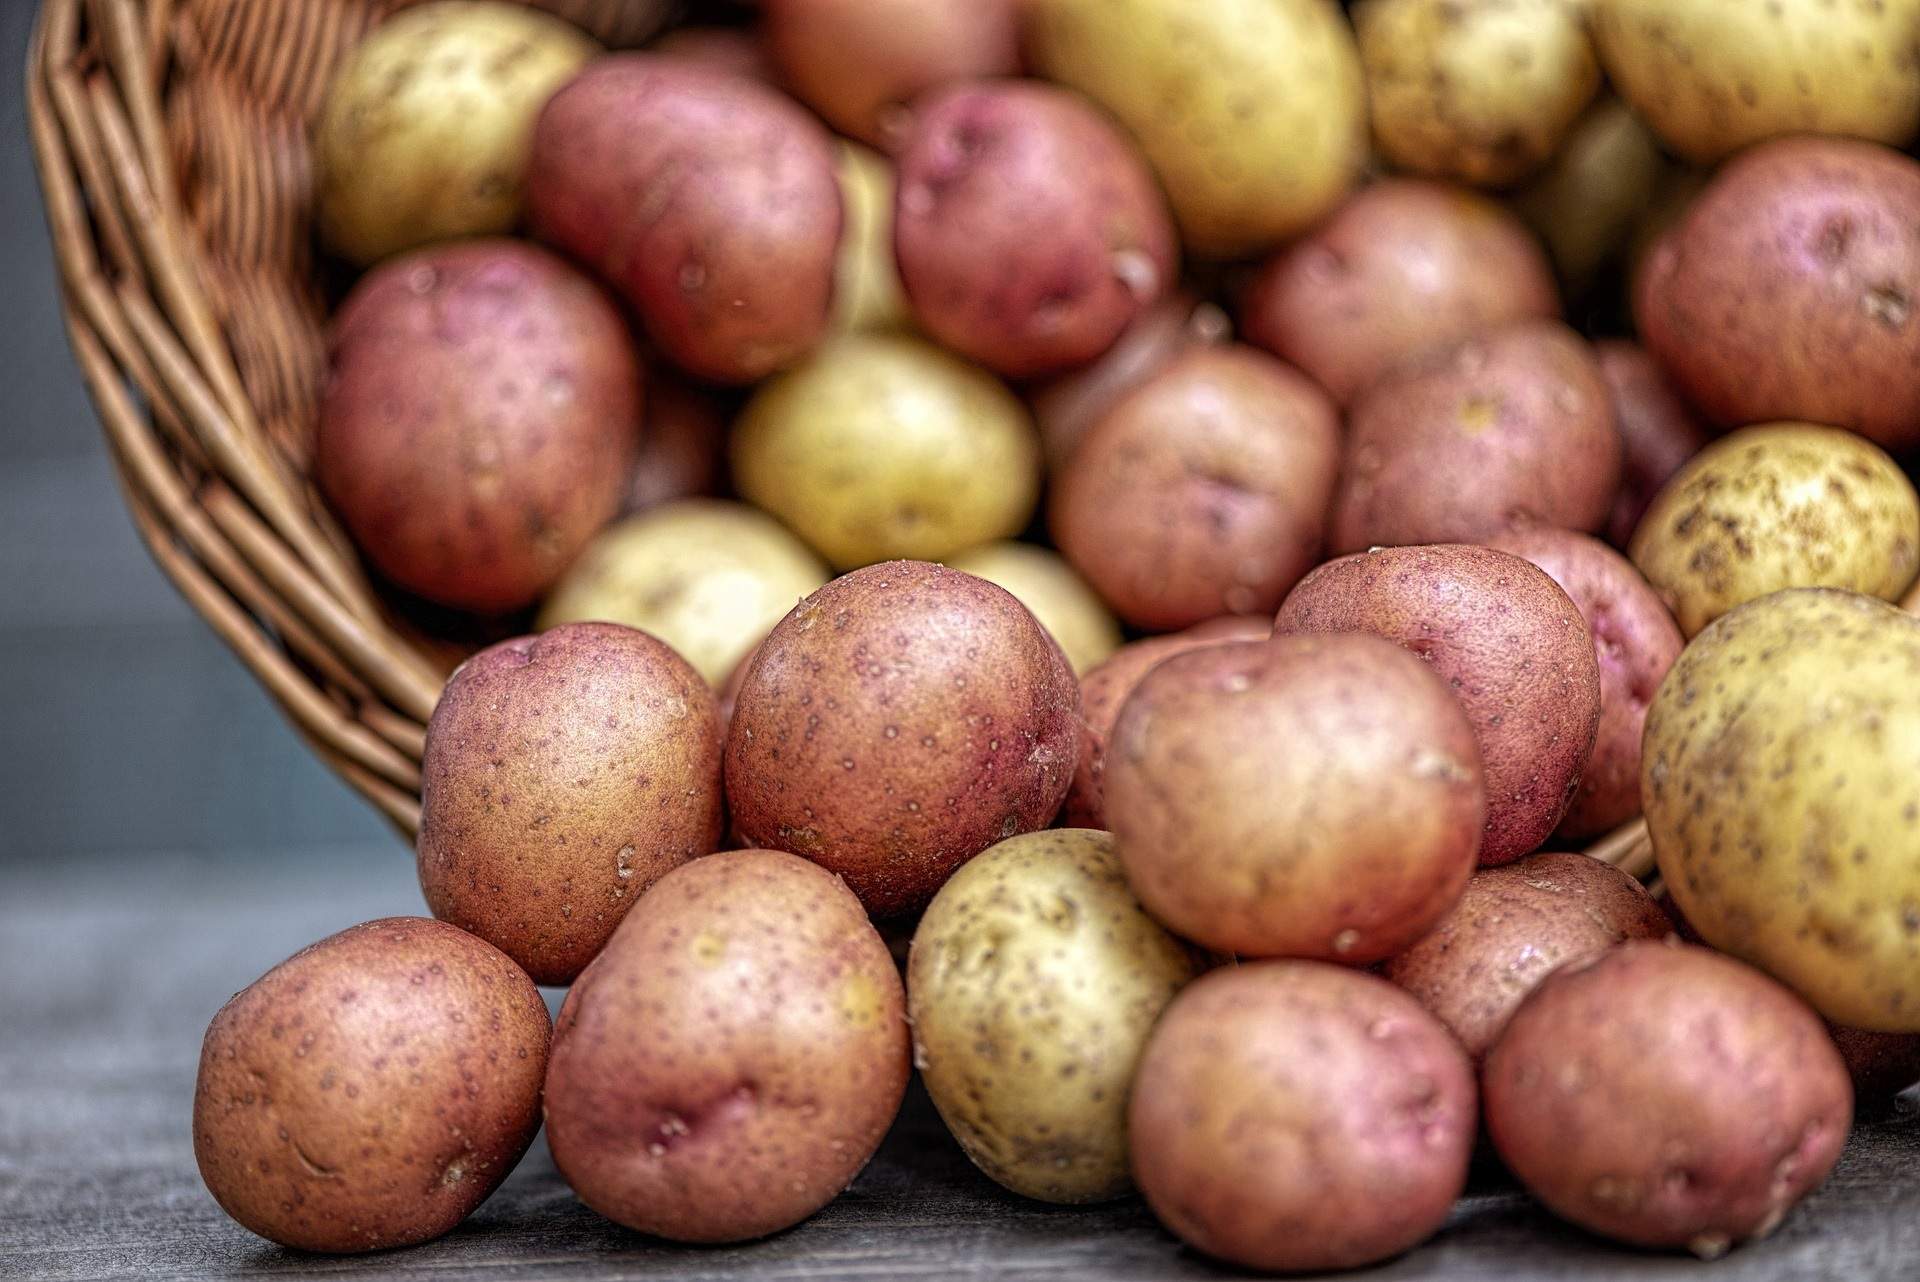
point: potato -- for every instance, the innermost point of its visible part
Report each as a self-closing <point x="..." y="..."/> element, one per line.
<point x="1251" y="111"/>
<point x="866" y="279"/>
<point x="1028" y="229"/>
<point x="1202" y="492"/>
<point x="1779" y="778"/>
<point x="689" y="189"/>
<point x="1060" y="599"/>
<point x="1713" y="76"/>
<point x="371" y="1090"/>
<point x="1635" y="642"/>
<point x="683" y="447"/>
<point x="706" y="576"/>
<point x="480" y="418"/>
<point x="1510" y="644"/>
<point x="1589" y="198"/>
<point x="426" y="126"/>
<point x="883" y="445"/>
<point x="563" y="774"/>
<point x="1403" y="267"/>
<point x="1882" y="1065"/>
<point x="901" y="720"/>
<point x="1506" y="429"/>
<point x="1667" y="1096"/>
<point x="738" y="51"/>
<point x="1033" y="981"/>
<point x="1658" y="432"/>
<point x="1290" y="1115"/>
<point x="1827" y="232"/>
<point x="1783" y="505"/>
<point x="728" y="1065"/>
<point x="1478" y="90"/>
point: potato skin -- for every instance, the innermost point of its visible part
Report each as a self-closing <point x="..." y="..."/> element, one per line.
<point x="480" y="417"/>
<point x="730" y="1062"/>
<point x="1255" y="1062"/>
<point x="1033" y="981"/>
<point x="1404" y="267"/>
<point x="682" y="447"/>
<point x="1667" y="1096"/>
<point x="866" y="276"/>
<point x="1882" y="1065"/>
<point x="1202" y="492"/>
<point x="1028" y="229"/>
<point x="690" y="189"/>
<point x="1059" y="598"/>
<point x="371" y="1090"/>
<point x="899" y="721"/>
<point x="1585" y="204"/>
<point x="1511" y="645"/>
<point x="738" y="51"/>
<point x="1508" y="428"/>
<point x="1658" y="431"/>
<point x="563" y="774"/>
<point x="1782" y="505"/>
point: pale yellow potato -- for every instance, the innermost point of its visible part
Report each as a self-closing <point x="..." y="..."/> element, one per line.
<point x="1032" y="983"/>
<point x="426" y="128"/>
<point x="1712" y="76"/>
<point x="708" y="577"/>
<point x="1781" y="777"/>
<point x="882" y="446"/>
<point x="1781" y="505"/>
<point x="1586" y="203"/>
<point x="1042" y="581"/>
<point x="1481" y="91"/>
<point x="866" y="279"/>
<point x="1252" y="112"/>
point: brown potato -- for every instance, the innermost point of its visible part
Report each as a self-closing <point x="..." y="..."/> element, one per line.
<point x="1402" y="268"/>
<point x="564" y="773"/>
<point x="1667" y="1096"/>
<point x="1298" y="1116"/>
<point x="480" y="418"/>
<point x="1658" y="431"/>
<point x="1508" y="428"/>
<point x="1509" y="642"/>
<point x="901" y="720"/>
<point x="690" y="189"/>
<point x="371" y="1090"/>
<point x="1882" y="1065"/>
<point x="683" y="449"/>
<point x="1203" y="491"/>
<point x="738" y="51"/>
<point x="730" y="1062"/>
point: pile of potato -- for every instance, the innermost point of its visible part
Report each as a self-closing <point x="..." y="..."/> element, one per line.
<point x="1273" y="912"/>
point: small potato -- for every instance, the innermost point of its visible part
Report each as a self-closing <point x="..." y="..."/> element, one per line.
<point x="1658" y="432"/>
<point x="683" y="447"/>
<point x="1203" y="491"/>
<point x="1882" y="1065"/>
<point x="1403" y="267"/>
<point x="706" y="576"/>
<point x="371" y="1090"/>
<point x="866" y="277"/>
<point x="728" y="1065"/>
<point x="883" y="445"/>
<point x="1666" y="1096"/>
<point x="1293" y="1116"/>
<point x="738" y="51"/>
<point x="1784" y="505"/>
<point x="1060" y="599"/>
<point x="563" y="774"/>
<point x="1033" y="981"/>
<point x="1478" y="90"/>
<point x="1587" y="201"/>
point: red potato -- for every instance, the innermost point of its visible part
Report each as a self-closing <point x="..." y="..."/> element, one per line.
<point x="1882" y="1065"/>
<point x="738" y="51"/>
<point x="1658" y="432"/>
<point x="683" y="449"/>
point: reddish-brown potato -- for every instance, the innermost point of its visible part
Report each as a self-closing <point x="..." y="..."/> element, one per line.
<point x="708" y="199"/>
<point x="1509" y="642"/>
<point x="1298" y="1116"/>
<point x="1658" y="432"/>
<point x="1510" y="427"/>
<point x="726" y="1067"/>
<point x="683" y="450"/>
<point x="738" y="51"/>
<point x="564" y="773"/>
<point x="1788" y="290"/>
<point x="371" y="1090"/>
<point x="1882" y="1065"/>
<point x="480" y="416"/>
<point x="1405" y="266"/>
<point x="901" y="720"/>
<point x="1203" y="491"/>
<point x="1667" y="1096"/>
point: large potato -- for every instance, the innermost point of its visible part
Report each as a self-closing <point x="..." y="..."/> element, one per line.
<point x="1785" y="505"/>
<point x="866" y="277"/>
<point x="1587" y="201"/>
<point x="1059" y="598"/>
<point x="1033" y="981"/>
<point x="1658" y="432"/>
<point x="1252" y="111"/>
<point x="1782" y="783"/>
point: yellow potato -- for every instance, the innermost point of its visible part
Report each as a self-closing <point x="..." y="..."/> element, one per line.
<point x="708" y="577"/>
<point x="1043" y="582"/>
<point x="866" y="280"/>
<point x="1781" y="775"/>
<point x="1782" y="505"/>
<point x="1586" y="203"/>
<point x="1251" y="111"/>
<point x="883" y="446"/>
<point x="425" y="130"/>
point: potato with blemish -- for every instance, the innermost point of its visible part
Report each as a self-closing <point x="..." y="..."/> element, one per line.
<point x="1059" y="598"/>
<point x="1033" y="981"/>
<point x="866" y="276"/>
<point x="1586" y="202"/>
<point x="371" y="1090"/>
<point x="1659" y="432"/>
